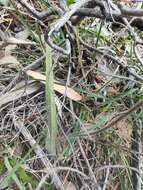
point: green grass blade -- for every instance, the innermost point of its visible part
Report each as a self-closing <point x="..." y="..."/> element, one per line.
<point x="50" y="101"/>
<point x="98" y="33"/>
<point x="13" y="176"/>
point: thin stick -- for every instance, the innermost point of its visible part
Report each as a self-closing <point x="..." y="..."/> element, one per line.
<point x="120" y="117"/>
<point x="40" y="153"/>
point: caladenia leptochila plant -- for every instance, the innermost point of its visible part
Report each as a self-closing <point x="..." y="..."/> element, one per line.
<point x="50" y="104"/>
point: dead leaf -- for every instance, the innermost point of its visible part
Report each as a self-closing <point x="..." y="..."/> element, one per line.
<point x="111" y="91"/>
<point x="23" y="35"/>
<point x="13" y="40"/>
<point x="124" y="131"/>
<point x="68" y="185"/>
<point x="15" y="94"/>
<point x="8" y="49"/>
<point x="69" y="92"/>
<point x="35" y="75"/>
<point x="8" y="60"/>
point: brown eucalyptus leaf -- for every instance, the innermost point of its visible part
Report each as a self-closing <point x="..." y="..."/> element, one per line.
<point x="69" y="92"/>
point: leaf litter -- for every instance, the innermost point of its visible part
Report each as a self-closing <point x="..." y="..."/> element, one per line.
<point x="102" y="92"/>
